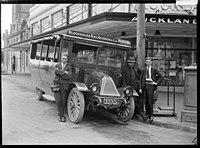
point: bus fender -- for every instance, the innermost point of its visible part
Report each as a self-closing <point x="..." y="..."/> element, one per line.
<point x="79" y="86"/>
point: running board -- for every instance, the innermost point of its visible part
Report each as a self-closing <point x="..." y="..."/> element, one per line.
<point x="48" y="97"/>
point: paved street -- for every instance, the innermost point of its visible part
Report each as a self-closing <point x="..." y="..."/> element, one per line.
<point x="25" y="120"/>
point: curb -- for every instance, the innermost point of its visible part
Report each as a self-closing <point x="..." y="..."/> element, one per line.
<point x="175" y="126"/>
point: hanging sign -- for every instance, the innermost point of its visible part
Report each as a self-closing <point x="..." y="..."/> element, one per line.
<point x="98" y="37"/>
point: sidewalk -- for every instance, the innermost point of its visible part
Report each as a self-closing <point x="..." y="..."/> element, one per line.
<point x="173" y="122"/>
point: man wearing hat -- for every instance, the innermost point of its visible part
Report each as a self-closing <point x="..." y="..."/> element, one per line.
<point x="131" y="77"/>
<point x="149" y="79"/>
<point x="62" y="75"/>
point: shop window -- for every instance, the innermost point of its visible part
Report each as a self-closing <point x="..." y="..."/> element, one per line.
<point x="171" y="62"/>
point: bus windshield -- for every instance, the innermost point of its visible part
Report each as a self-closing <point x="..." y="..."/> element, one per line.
<point x="110" y="57"/>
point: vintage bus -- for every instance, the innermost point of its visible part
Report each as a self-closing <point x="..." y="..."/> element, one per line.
<point x="97" y="84"/>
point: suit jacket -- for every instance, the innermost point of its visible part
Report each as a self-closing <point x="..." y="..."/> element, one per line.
<point x="60" y="76"/>
<point x="127" y="78"/>
<point x="155" y="75"/>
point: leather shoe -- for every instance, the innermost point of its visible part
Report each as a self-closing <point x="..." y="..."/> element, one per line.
<point x="62" y="119"/>
<point x="145" y="118"/>
<point x="151" y="119"/>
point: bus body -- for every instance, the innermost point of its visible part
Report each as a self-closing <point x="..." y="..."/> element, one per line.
<point x="98" y="81"/>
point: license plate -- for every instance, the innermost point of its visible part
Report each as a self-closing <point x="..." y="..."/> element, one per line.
<point x="110" y="101"/>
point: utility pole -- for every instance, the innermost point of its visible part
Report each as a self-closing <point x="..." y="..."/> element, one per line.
<point x="140" y="48"/>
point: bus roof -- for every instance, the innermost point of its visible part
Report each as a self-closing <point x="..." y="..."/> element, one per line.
<point x="75" y="35"/>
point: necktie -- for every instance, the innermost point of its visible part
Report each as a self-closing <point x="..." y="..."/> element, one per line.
<point x="148" y="73"/>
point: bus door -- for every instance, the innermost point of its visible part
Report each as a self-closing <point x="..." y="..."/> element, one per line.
<point x="36" y="47"/>
<point x="47" y="62"/>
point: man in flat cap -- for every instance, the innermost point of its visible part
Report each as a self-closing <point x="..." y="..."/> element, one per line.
<point x="149" y="79"/>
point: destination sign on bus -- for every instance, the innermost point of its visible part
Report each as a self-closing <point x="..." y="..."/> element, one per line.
<point x="98" y="37"/>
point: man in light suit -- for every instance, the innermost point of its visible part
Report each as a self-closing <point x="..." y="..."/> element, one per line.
<point x="149" y="79"/>
<point x="62" y="75"/>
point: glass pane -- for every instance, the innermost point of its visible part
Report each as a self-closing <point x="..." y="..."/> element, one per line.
<point x="110" y="57"/>
<point x="88" y="56"/>
<point x="39" y="47"/>
<point x="51" y="52"/>
<point x="44" y="50"/>
<point x="65" y="47"/>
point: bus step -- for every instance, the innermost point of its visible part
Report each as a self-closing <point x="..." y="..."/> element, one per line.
<point x="48" y="97"/>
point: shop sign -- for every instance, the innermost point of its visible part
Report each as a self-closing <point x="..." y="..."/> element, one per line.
<point x="98" y="37"/>
<point x="168" y="20"/>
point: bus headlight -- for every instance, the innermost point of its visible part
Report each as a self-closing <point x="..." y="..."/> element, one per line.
<point x="128" y="91"/>
<point x="95" y="88"/>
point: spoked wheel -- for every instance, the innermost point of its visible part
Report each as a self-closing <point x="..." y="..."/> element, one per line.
<point x="125" y="112"/>
<point x="39" y="94"/>
<point x="75" y="105"/>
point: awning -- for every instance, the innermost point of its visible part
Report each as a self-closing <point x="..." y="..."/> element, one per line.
<point x="111" y="24"/>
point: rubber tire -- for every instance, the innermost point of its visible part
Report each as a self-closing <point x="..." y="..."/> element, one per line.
<point x="131" y="105"/>
<point x="76" y="94"/>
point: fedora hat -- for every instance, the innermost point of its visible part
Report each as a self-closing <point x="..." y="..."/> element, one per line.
<point x="131" y="60"/>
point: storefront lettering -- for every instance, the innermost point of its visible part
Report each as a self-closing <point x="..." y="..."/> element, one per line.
<point x="161" y="20"/>
<point x="167" y="20"/>
<point x="177" y="21"/>
<point x="153" y="20"/>
<point x="186" y="21"/>
<point x="194" y="21"/>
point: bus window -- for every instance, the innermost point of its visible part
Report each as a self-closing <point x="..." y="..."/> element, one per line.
<point x="33" y="50"/>
<point x="44" y="51"/>
<point x="87" y="53"/>
<point x="65" y="47"/>
<point x="57" y="50"/>
<point x="110" y="57"/>
<point x="38" y="52"/>
<point x="88" y="56"/>
<point x="50" y="53"/>
<point x="48" y="49"/>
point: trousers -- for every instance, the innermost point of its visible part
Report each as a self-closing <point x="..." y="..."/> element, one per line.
<point x="148" y="96"/>
<point x="61" y="100"/>
<point x="139" y="105"/>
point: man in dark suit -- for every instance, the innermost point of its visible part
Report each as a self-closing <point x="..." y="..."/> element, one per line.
<point x="131" y="77"/>
<point x="149" y="79"/>
<point x="62" y="75"/>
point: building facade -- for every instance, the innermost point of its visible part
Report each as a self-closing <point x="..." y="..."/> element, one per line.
<point x="19" y="31"/>
<point x="175" y="47"/>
